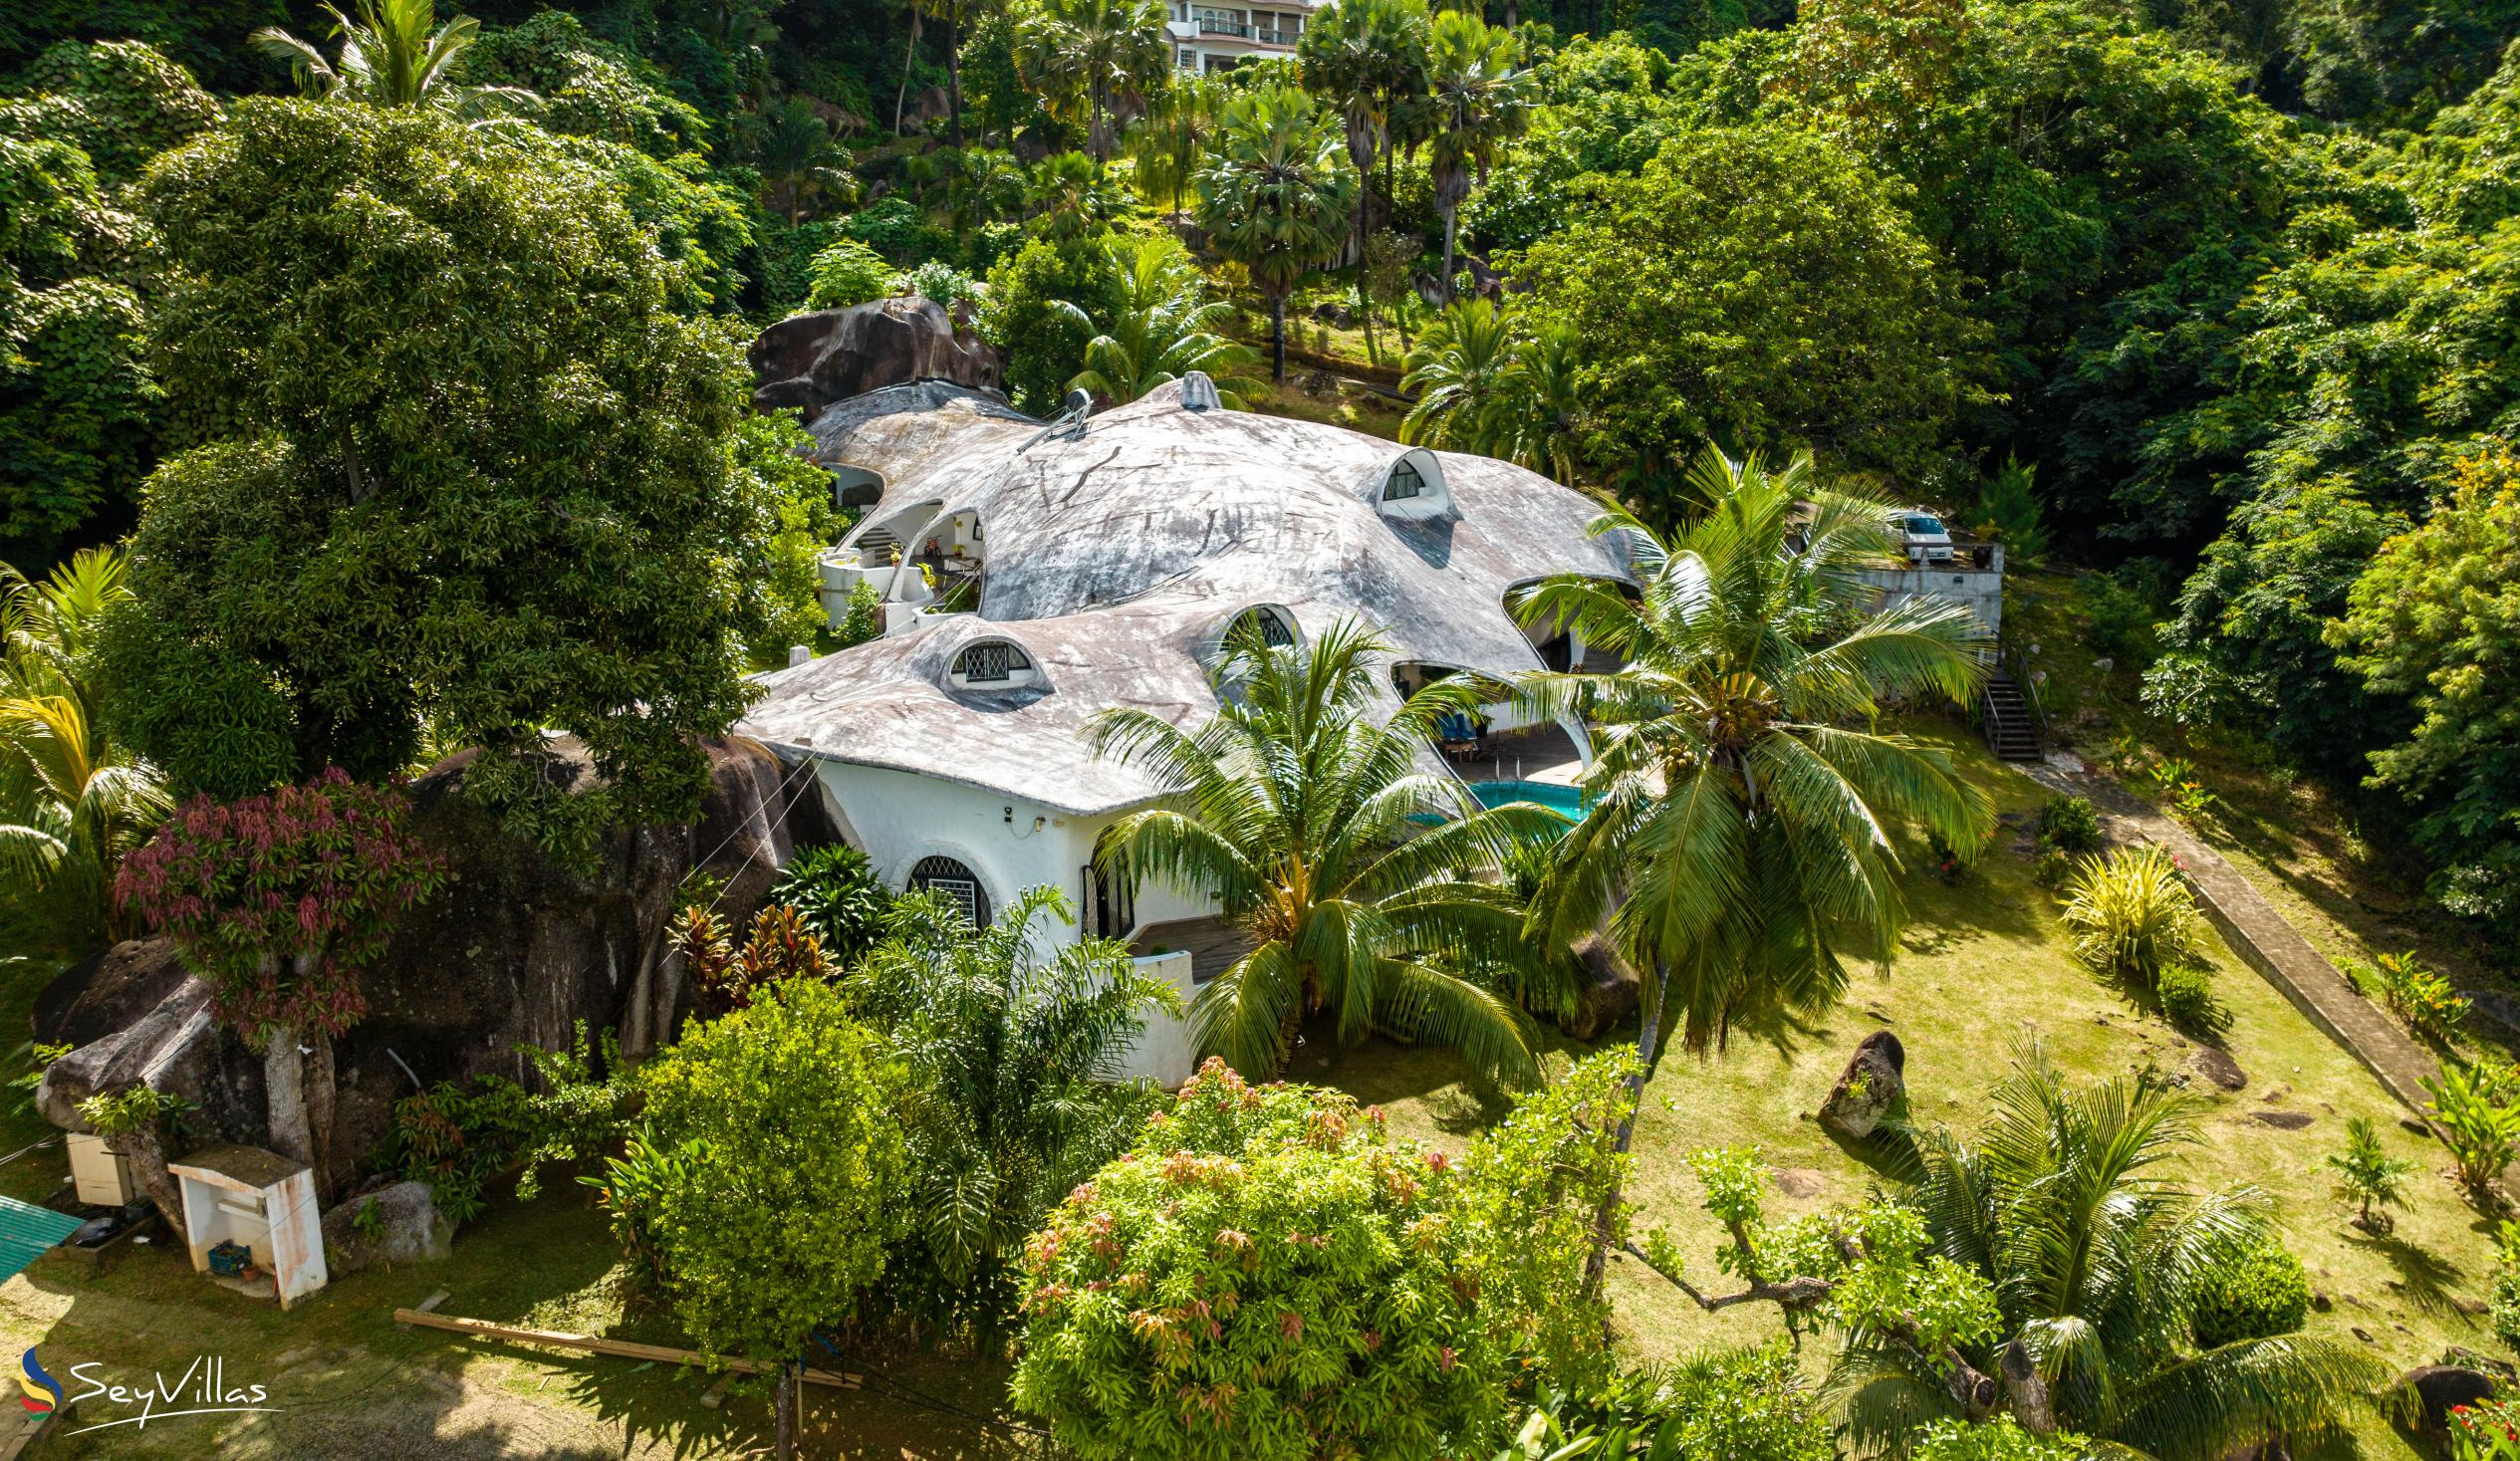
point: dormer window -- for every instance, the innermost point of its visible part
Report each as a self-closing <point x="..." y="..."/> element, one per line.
<point x="993" y="664"/>
<point x="1409" y="487"/>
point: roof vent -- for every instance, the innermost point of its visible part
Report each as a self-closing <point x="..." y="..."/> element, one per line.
<point x="1198" y="394"/>
<point x="1069" y="422"/>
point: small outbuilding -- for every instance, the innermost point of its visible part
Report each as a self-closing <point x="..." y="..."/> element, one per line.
<point x="241" y="1205"/>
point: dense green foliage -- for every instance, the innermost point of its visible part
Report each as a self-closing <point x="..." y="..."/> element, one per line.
<point x="1014" y="1093"/>
<point x="2258" y="1294"/>
<point x="1268" y="1274"/>
<point x="361" y="541"/>
<point x="1715" y="292"/>
<point x="767" y="1177"/>
<point x="839" y="897"/>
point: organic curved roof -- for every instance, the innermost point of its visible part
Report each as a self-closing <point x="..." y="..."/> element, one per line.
<point x="1117" y="554"/>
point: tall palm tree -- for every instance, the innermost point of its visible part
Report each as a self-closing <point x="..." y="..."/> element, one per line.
<point x="1173" y="138"/>
<point x="1365" y="58"/>
<point x="1274" y="195"/>
<point x="1465" y="370"/>
<point x="1543" y="412"/>
<point x="1743" y="815"/>
<point x="1016" y="1060"/>
<point x="1095" y="55"/>
<point x="72" y="802"/>
<point x="1160" y="329"/>
<point x="1300" y="813"/>
<point x="1479" y="99"/>
<point x="2065" y="1203"/>
<point x="395" y="54"/>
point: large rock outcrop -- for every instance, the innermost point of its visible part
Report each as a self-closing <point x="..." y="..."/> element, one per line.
<point x="1870" y="1089"/>
<point x="806" y="362"/>
<point x="515" y="949"/>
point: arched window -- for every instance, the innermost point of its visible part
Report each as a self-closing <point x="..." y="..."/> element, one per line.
<point x="1403" y="483"/>
<point x="956" y="883"/>
<point x="993" y="662"/>
<point x="1270" y="623"/>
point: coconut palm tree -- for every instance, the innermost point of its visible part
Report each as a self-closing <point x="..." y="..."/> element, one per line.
<point x="1160" y="329"/>
<point x="1479" y="99"/>
<point x="1742" y="812"/>
<point x="2066" y="1201"/>
<point x="1274" y="195"/>
<point x="1095" y="56"/>
<point x="1366" y="58"/>
<point x="72" y="802"/>
<point x="1016" y="1093"/>
<point x="1465" y="371"/>
<point x="1068" y="195"/>
<point x="395" y="54"/>
<point x="1302" y="816"/>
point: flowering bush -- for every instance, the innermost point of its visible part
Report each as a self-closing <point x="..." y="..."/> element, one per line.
<point x="279" y="900"/>
<point x="2422" y="998"/>
<point x="1269" y="1276"/>
<point x="2489" y="1431"/>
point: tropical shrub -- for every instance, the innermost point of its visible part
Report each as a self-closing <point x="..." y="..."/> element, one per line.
<point x="2187" y="995"/>
<point x="2257" y="1294"/>
<point x="2478" y="1113"/>
<point x="2053" y="871"/>
<point x="942" y="282"/>
<point x="1266" y="1275"/>
<point x="2505" y="1310"/>
<point x="1021" y="315"/>
<point x="1745" y="1404"/>
<point x="2422" y="998"/>
<point x="2008" y="512"/>
<point x="455" y="1141"/>
<point x="864" y="619"/>
<point x="1013" y="1093"/>
<point x="2000" y="1438"/>
<point x="2366" y="1175"/>
<point x="1541" y="1192"/>
<point x="897" y="229"/>
<point x="2069" y="825"/>
<point x="779" y="947"/>
<point x="2489" y="1431"/>
<point x="847" y="272"/>
<point x="839" y="898"/>
<point x="769" y="1176"/>
<point x="2131" y="915"/>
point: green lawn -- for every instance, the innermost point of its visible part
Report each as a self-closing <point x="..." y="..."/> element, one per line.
<point x="1984" y="967"/>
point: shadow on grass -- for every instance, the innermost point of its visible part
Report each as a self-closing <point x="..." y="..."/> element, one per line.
<point x="2423" y="1276"/>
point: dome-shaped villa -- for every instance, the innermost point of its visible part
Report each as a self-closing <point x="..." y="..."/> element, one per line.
<point x="1031" y="576"/>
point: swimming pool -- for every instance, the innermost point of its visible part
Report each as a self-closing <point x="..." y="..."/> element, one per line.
<point x="1566" y="801"/>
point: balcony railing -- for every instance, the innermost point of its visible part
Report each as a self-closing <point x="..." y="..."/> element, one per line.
<point x="1265" y="36"/>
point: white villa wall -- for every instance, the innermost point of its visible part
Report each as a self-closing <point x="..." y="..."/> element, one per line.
<point x="898" y="818"/>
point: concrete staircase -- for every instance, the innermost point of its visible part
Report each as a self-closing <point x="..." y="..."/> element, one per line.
<point x="2012" y="732"/>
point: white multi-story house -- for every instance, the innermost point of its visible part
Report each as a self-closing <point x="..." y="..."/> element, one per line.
<point x="1210" y="38"/>
<point x="1032" y="576"/>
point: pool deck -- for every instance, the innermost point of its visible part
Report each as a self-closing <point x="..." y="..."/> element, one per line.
<point x="1543" y="753"/>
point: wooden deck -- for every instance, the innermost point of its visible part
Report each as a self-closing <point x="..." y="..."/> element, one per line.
<point x="1212" y="942"/>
